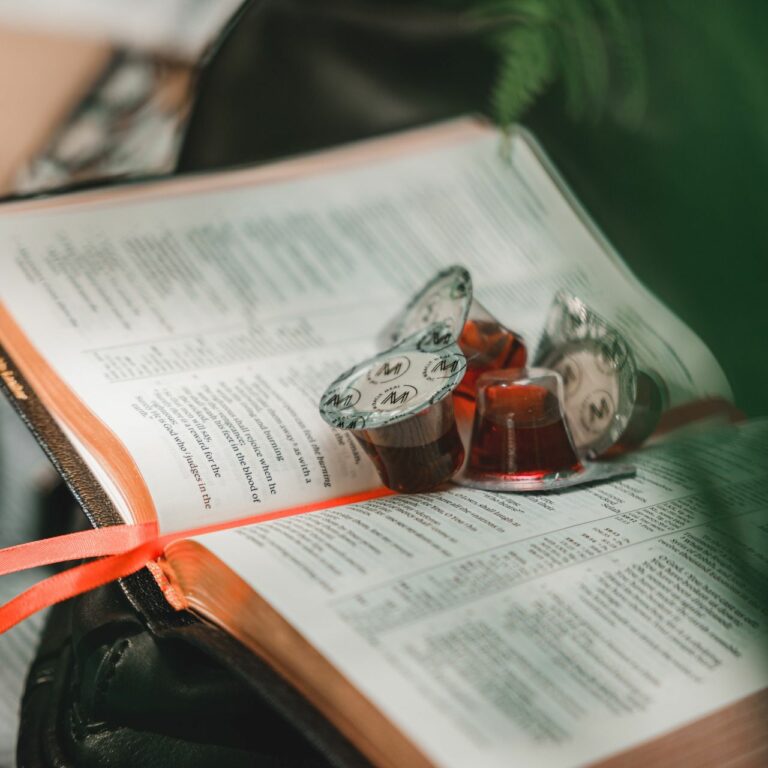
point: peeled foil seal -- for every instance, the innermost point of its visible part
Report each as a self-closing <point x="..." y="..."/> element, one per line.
<point x="446" y="304"/>
<point x="608" y="400"/>
<point x="397" y="384"/>
<point x="443" y="303"/>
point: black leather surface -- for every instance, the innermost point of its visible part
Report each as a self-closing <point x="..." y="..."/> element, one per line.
<point x="104" y="691"/>
<point x="297" y="75"/>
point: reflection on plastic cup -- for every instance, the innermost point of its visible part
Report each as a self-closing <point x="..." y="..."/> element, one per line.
<point x="650" y="401"/>
<point x="519" y="429"/>
<point x="488" y="346"/>
<point x="606" y="395"/>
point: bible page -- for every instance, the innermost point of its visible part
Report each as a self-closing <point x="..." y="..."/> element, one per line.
<point x="537" y="630"/>
<point x="200" y="320"/>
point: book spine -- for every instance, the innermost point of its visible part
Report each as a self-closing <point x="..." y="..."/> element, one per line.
<point x="84" y="487"/>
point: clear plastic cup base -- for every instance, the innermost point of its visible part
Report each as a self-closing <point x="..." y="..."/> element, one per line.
<point x="590" y="472"/>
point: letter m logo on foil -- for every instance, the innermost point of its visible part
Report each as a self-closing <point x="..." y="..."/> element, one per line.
<point x="341" y="400"/>
<point x="441" y="338"/>
<point x="396" y="398"/>
<point x="337" y="401"/>
<point x="598" y="412"/>
<point x="446" y="366"/>
<point x="389" y="370"/>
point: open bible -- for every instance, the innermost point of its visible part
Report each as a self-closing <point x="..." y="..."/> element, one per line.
<point x="168" y="343"/>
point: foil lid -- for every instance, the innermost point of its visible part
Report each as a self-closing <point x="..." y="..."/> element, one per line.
<point x="444" y="301"/>
<point x="598" y="370"/>
<point x="395" y="385"/>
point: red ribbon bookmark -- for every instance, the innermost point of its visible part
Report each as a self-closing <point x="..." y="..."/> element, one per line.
<point x="77" y="580"/>
<point x="123" y="549"/>
<point x="96" y="542"/>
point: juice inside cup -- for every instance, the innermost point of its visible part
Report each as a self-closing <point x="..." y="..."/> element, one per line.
<point x="418" y="454"/>
<point x="488" y="346"/>
<point x="519" y="430"/>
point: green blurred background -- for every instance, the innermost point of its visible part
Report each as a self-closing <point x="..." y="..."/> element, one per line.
<point x="682" y="191"/>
